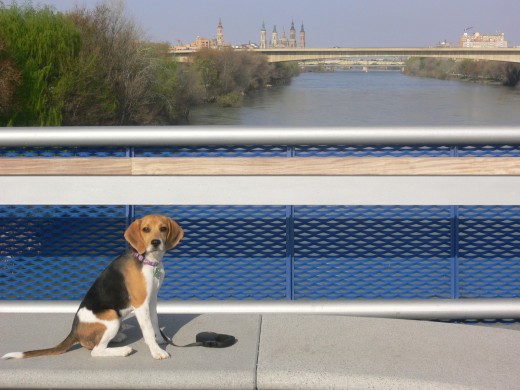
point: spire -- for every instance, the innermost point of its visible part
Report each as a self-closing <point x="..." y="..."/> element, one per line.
<point x="292" y="36"/>
<point x="220" y="33"/>
<point x="263" y="37"/>
<point x="302" y="37"/>
<point x="274" y="38"/>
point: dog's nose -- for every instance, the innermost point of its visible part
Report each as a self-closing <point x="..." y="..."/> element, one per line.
<point x="156" y="242"/>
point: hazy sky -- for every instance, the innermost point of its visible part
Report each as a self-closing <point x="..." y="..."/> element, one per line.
<point x="328" y="23"/>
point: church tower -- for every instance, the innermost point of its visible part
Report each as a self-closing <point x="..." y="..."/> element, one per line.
<point x="274" y="38"/>
<point x="283" y="40"/>
<point x="302" y="37"/>
<point x="263" y="37"/>
<point x="220" y="34"/>
<point x="292" y="36"/>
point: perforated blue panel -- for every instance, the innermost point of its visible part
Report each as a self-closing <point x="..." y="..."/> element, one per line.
<point x="51" y="252"/>
<point x="488" y="151"/>
<point x="372" y="151"/>
<point x="372" y="252"/>
<point x="271" y="151"/>
<point x="63" y="152"/>
<point x="212" y="151"/>
<point x="489" y="251"/>
<point x="227" y="252"/>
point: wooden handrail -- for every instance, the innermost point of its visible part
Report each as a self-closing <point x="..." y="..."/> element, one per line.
<point x="261" y="166"/>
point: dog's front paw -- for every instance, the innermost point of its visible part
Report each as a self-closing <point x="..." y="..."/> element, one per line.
<point x="160" y="354"/>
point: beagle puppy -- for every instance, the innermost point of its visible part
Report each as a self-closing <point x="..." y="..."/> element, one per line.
<point x="130" y="283"/>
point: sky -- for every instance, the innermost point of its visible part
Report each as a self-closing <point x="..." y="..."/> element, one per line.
<point x="328" y="23"/>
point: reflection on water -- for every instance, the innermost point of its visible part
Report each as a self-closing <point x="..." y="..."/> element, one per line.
<point x="370" y="99"/>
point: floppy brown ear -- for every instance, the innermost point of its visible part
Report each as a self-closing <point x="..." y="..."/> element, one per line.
<point x="175" y="234"/>
<point x="134" y="237"/>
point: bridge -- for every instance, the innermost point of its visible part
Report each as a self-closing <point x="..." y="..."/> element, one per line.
<point x="282" y="55"/>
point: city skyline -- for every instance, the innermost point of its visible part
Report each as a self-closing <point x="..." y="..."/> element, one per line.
<point x="329" y="23"/>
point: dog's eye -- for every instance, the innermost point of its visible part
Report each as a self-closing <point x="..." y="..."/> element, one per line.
<point x="146" y="229"/>
<point x="164" y="229"/>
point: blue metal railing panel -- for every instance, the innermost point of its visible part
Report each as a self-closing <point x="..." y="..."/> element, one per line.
<point x="488" y="151"/>
<point x="372" y="151"/>
<point x="63" y="152"/>
<point x="227" y="252"/>
<point x="489" y="251"/>
<point x="212" y="151"/>
<point x="271" y="151"/>
<point x="55" y="252"/>
<point x="372" y="252"/>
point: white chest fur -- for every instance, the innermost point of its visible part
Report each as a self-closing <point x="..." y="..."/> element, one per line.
<point x="153" y="275"/>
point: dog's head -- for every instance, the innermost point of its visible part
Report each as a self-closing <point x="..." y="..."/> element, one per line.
<point x="153" y="233"/>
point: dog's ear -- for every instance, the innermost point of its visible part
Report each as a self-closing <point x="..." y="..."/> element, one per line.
<point x="175" y="234"/>
<point x="134" y="237"/>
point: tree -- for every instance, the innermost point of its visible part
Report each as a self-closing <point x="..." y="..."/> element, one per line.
<point x="511" y="74"/>
<point x="205" y="63"/>
<point x="114" y="72"/>
<point x="10" y="79"/>
<point x="42" y="45"/>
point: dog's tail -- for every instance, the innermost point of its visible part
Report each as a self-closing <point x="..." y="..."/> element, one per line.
<point x="62" y="347"/>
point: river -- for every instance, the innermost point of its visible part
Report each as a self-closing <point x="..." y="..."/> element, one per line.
<point x="355" y="98"/>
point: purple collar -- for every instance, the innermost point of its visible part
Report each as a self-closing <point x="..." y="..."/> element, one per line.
<point x="144" y="260"/>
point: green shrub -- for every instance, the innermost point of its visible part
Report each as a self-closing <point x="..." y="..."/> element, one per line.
<point x="232" y="99"/>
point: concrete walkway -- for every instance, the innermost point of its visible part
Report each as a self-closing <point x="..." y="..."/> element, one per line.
<point x="273" y="352"/>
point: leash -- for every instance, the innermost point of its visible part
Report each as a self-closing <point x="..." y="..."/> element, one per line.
<point x="206" y="339"/>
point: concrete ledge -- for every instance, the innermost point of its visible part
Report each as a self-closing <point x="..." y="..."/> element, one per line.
<point x="360" y="353"/>
<point x="188" y="368"/>
<point x="274" y="351"/>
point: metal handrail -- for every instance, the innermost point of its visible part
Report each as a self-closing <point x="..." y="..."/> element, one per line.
<point x="418" y="309"/>
<point x="239" y="135"/>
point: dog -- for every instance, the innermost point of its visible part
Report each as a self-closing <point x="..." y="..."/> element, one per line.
<point x="130" y="283"/>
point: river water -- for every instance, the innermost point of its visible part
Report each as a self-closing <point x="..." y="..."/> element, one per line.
<point x="355" y="98"/>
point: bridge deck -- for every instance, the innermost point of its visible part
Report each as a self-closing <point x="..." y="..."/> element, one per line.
<point x="299" y="54"/>
<point x="273" y="351"/>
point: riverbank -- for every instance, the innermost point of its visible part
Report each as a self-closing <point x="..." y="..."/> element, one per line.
<point x="224" y="77"/>
<point x="482" y="72"/>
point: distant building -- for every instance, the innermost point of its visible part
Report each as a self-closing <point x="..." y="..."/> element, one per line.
<point x="220" y="34"/>
<point x="263" y="37"/>
<point x="302" y="37"/>
<point x="482" y="41"/>
<point x="281" y="42"/>
<point x="444" y="44"/>
<point x="247" y="46"/>
<point x="204" y="43"/>
<point x="292" y="36"/>
<point x="274" y="38"/>
<point x="198" y="44"/>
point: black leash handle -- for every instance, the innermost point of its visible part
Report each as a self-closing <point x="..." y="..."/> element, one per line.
<point x="206" y="339"/>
